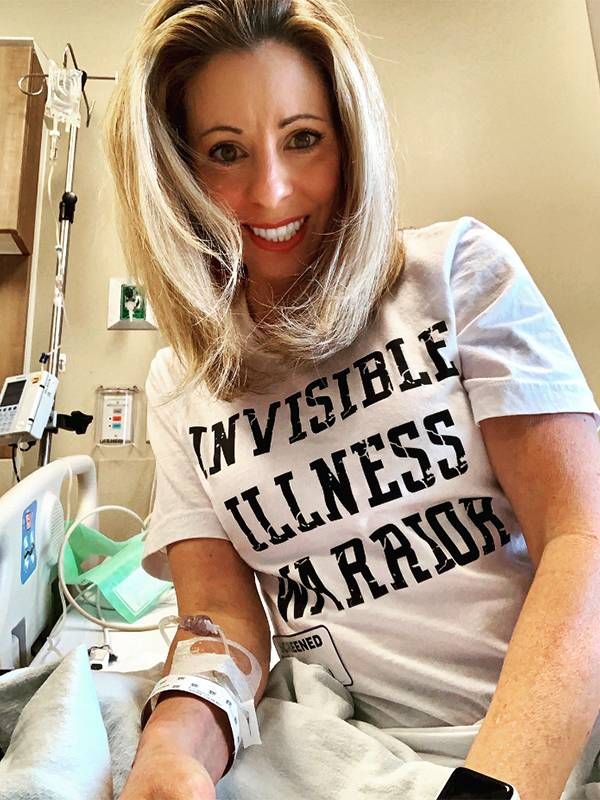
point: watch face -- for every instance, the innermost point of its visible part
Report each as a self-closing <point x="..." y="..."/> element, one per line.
<point x="465" y="784"/>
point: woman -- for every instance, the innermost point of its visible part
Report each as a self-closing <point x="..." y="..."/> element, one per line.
<point x="316" y="419"/>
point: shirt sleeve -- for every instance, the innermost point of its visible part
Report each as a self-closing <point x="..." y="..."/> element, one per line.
<point x="182" y="508"/>
<point x="514" y="355"/>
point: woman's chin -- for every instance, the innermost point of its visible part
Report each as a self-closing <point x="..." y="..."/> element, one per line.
<point x="276" y="278"/>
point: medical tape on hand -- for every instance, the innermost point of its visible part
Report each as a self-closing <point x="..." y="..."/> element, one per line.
<point x="223" y="671"/>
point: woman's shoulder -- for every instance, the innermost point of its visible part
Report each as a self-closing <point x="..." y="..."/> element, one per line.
<point x="433" y="253"/>
<point x="441" y="229"/>
<point x="163" y="363"/>
<point x="164" y="374"/>
<point x="450" y="232"/>
<point x="426" y="249"/>
<point x="429" y="251"/>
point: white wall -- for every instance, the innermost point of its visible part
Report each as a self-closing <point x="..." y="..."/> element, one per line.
<point x="496" y="108"/>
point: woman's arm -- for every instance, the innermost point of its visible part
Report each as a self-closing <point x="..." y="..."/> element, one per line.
<point x="548" y="693"/>
<point x="209" y="578"/>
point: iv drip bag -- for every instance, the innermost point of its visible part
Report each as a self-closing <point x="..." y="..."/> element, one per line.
<point x="64" y="94"/>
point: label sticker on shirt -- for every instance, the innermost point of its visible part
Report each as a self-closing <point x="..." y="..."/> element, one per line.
<point x="314" y="646"/>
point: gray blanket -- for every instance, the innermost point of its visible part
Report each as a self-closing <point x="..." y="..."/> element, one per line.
<point x="69" y="733"/>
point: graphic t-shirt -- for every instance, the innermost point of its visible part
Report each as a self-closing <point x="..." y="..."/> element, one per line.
<point x="360" y="491"/>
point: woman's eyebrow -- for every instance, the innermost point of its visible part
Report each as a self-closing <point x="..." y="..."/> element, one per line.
<point x="282" y="124"/>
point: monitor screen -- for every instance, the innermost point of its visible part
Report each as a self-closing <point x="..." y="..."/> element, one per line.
<point x="12" y="395"/>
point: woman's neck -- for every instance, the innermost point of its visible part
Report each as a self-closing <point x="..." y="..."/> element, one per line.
<point x="263" y="296"/>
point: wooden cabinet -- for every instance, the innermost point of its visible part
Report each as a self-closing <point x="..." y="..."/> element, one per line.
<point x="21" y="127"/>
<point x="21" y="123"/>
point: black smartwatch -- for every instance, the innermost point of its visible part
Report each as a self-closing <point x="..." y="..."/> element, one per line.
<point x="466" y="784"/>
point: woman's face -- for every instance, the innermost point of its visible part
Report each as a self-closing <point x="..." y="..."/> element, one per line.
<point x="262" y="125"/>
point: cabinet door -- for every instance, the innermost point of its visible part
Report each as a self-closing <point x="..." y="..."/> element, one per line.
<point x="21" y="123"/>
<point x="21" y="126"/>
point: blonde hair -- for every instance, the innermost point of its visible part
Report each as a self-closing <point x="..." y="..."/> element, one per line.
<point x="185" y="251"/>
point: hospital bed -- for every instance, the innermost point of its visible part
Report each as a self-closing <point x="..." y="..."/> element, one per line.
<point x="32" y="524"/>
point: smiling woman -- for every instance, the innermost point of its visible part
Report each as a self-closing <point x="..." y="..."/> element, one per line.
<point x="233" y="120"/>
<point x="330" y="447"/>
<point x="280" y="179"/>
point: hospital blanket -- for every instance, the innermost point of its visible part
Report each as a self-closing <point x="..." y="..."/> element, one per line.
<point x="69" y="733"/>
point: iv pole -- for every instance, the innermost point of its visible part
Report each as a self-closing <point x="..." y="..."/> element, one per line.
<point x="66" y="218"/>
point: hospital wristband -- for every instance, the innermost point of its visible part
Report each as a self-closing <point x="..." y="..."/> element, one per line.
<point x="206" y="689"/>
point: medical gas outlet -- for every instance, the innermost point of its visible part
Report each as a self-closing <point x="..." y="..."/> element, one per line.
<point x="128" y="308"/>
<point x="115" y="419"/>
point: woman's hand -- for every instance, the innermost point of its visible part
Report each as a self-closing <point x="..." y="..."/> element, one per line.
<point x="168" y="775"/>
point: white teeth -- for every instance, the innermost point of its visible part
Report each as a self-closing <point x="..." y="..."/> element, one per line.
<point x="282" y="234"/>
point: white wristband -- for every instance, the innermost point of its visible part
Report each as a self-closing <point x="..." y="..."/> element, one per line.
<point x="200" y="687"/>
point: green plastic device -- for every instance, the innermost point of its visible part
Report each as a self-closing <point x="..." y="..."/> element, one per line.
<point x="122" y="581"/>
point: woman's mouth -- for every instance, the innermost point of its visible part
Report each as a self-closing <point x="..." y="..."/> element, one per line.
<point x="278" y="239"/>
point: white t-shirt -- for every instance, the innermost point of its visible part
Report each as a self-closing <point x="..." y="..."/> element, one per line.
<point x="360" y="492"/>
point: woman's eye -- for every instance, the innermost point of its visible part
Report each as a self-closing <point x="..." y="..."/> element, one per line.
<point x="228" y="152"/>
<point x="304" y="136"/>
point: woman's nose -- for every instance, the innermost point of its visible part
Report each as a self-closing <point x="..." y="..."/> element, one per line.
<point x="270" y="182"/>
